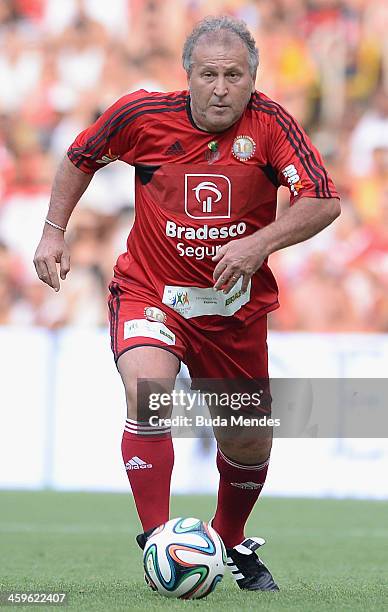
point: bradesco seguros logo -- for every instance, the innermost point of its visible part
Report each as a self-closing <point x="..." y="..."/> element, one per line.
<point x="207" y="196"/>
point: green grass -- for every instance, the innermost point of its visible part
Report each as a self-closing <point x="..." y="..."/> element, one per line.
<point x="327" y="555"/>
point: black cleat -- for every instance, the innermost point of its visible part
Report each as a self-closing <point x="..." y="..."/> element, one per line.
<point x="142" y="538"/>
<point x="247" y="569"/>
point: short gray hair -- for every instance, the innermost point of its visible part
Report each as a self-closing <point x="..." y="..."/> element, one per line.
<point x="215" y="25"/>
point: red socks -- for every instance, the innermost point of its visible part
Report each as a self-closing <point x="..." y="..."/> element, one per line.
<point x="238" y="490"/>
<point x="149" y="458"/>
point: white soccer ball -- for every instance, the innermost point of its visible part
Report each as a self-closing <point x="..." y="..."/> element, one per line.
<point x="184" y="558"/>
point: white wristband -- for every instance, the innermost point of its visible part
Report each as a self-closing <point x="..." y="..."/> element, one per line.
<point x="58" y="227"/>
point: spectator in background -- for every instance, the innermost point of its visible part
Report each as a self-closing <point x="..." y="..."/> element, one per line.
<point x="370" y="133"/>
<point x="44" y="104"/>
<point x="20" y="67"/>
<point x="81" y="52"/>
<point x="7" y="162"/>
<point x="58" y="15"/>
<point x="370" y="192"/>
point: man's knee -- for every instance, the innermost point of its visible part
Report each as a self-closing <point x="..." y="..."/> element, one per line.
<point x="147" y="398"/>
<point x="245" y="449"/>
<point x="147" y="373"/>
<point x="130" y="387"/>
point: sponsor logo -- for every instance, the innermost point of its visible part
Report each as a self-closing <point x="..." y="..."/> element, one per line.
<point x="243" y="147"/>
<point x="107" y="158"/>
<point x="175" y="149"/>
<point x="199" y="252"/>
<point x="207" y="204"/>
<point x="137" y="464"/>
<point x="168" y="335"/>
<point x="152" y="313"/>
<point x="198" y="301"/>
<point x="247" y="485"/>
<point x="207" y="196"/>
<point x="181" y="297"/>
<point x="148" y="329"/>
<point x="293" y="179"/>
<point x="204" y="232"/>
<point x="233" y="298"/>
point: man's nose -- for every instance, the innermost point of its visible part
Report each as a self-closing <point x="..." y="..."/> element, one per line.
<point x="220" y="89"/>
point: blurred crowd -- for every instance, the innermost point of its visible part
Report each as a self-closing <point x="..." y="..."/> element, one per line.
<point x="63" y="61"/>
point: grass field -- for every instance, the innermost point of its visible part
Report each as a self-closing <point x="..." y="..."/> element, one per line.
<point x="325" y="554"/>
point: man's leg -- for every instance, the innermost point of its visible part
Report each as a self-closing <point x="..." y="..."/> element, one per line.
<point x="147" y="451"/>
<point x="242" y="461"/>
<point x="237" y="363"/>
<point x="242" y="464"/>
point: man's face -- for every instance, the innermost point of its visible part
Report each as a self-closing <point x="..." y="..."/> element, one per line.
<point x="220" y="82"/>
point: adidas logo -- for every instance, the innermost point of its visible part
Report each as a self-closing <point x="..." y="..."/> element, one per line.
<point x="175" y="149"/>
<point x="137" y="464"/>
<point x="246" y="485"/>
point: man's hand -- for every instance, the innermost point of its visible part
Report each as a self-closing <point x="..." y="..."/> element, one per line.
<point x="244" y="256"/>
<point x="238" y="258"/>
<point x="52" y="250"/>
<point x="69" y="185"/>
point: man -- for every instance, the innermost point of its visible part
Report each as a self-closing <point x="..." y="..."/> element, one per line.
<point x="194" y="284"/>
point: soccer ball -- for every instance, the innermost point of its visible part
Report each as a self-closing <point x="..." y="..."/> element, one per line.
<point x="184" y="558"/>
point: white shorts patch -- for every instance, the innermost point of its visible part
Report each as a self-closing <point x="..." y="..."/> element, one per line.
<point x="148" y="329"/>
<point x="198" y="301"/>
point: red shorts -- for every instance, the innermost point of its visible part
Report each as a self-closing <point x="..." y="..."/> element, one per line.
<point x="139" y="318"/>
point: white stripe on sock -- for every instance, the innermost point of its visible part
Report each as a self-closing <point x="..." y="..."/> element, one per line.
<point x="243" y="467"/>
<point x="144" y="425"/>
<point x="147" y="433"/>
<point x="145" y="429"/>
<point x="134" y="426"/>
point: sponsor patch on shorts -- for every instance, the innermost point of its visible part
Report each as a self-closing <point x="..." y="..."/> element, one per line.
<point x="148" y="329"/>
<point x="199" y="301"/>
<point x="152" y="313"/>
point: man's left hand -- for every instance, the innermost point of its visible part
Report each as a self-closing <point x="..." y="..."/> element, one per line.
<point x="238" y="258"/>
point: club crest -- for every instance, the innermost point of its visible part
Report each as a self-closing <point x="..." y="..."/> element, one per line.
<point x="243" y="148"/>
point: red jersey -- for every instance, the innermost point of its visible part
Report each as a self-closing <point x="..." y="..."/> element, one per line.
<point x="196" y="191"/>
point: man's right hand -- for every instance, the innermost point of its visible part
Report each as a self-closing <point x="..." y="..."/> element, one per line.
<point x="52" y="250"/>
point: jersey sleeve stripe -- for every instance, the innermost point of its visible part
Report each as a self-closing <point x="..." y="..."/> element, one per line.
<point x="108" y="123"/>
<point x="290" y="125"/>
<point x="321" y="170"/>
<point x="97" y="147"/>
<point x="124" y="110"/>
<point x="149" y="111"/>
<point x="121" y="126"/>
<point x="294" y="145"/>
<point x="319" y="179"/>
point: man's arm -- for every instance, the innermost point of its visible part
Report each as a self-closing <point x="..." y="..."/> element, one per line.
<point x="243" y="257"/>
<point x="69" y="185"/>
